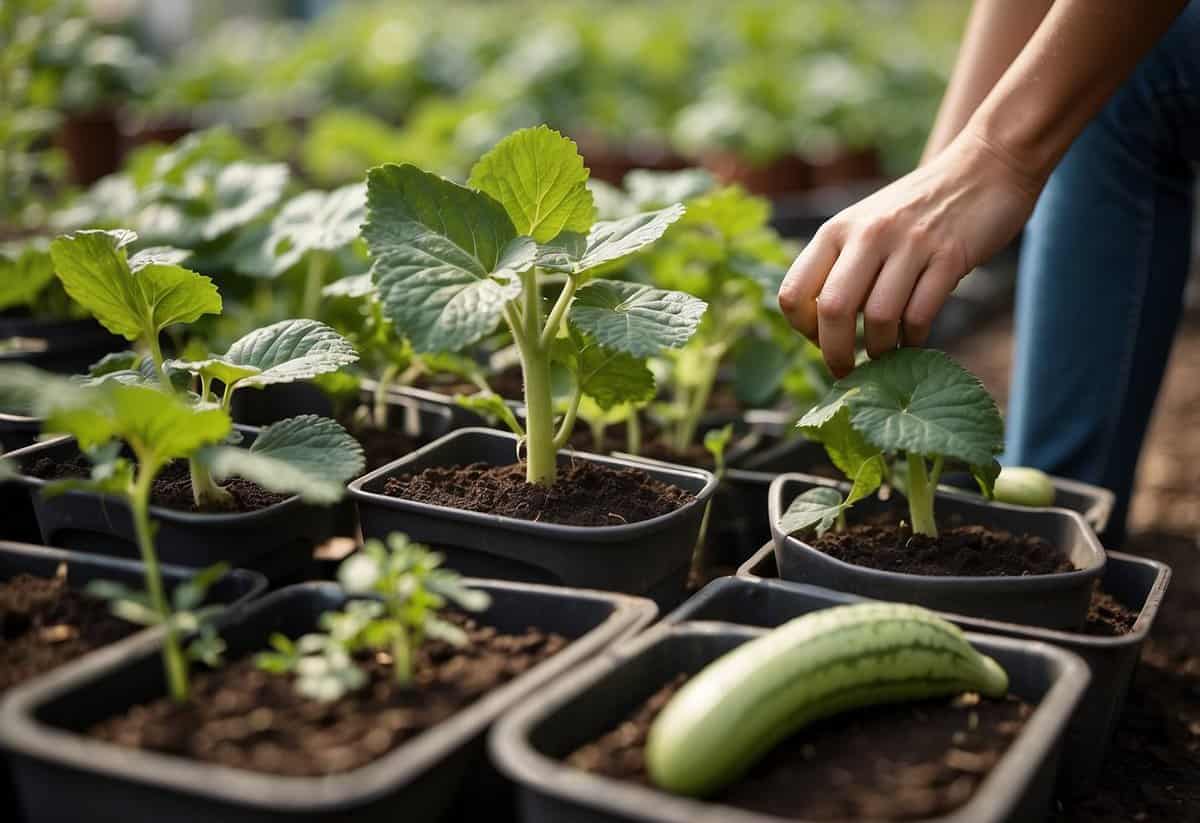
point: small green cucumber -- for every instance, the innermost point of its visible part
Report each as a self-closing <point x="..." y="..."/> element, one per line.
<point x="1023" y="486"/>
<point x="741" y="705"/>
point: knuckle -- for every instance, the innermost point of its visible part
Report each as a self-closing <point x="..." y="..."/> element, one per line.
<point x="875" y="229"/>
<point x="832" y="307"/>
<point x="879" y="316"/>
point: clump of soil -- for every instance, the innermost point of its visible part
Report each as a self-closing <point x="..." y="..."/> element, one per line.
<point x="584" y="494"/>
<point x="243" y="717"/>
<point x="172" y="488"/>
<point x="971" y="551"/>
<point x="1107" y="616"/>
<point x="45" y="624"/>
<point x="907" y="761"/>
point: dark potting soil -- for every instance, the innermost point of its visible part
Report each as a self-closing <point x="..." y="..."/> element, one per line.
<point x="907" y="761"/>
<point x="243" y="717"/>
<point x="585" y="493"/>
<point x="1107" y="616"/>
<point x="44" y="624"/>
<point x="172" y="488"/>
<point x="972" y="551"/>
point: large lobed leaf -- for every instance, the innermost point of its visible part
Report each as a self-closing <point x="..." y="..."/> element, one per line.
<point x="290" y="350"/>
<point x="307" y="455"/>
<point x="317" y="220"/>
<point x="608" y="240"/>
<point x="133" y="303"/>
<point x="634" y="318"/>
<point x="611" y="378"/>
<point x="539" y="178"/>
<point x="446" y="258"/>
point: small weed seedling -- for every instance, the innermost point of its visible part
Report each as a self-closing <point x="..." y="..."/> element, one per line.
<point x="917" y="405"/>
<point x="451" y="262"/>
<point x="408" y="587"/>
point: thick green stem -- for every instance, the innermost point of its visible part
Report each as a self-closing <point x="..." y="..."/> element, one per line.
<point x="598" y="427"/>
<point x="401" y="657"/>
<point x="633" y="432"/>
<point x="567" y="427"/>
<point x="541" y="457"/>
<point x="920" y="497"/>
<point x="174" y="661"/>
<point x="556" y="314"/>
<point x="206" y="494"/>
<point x="313" y="281"/>
<point x="157" y="356"/>
<point x="700" y="550"/>
<point x="205" y="387"/>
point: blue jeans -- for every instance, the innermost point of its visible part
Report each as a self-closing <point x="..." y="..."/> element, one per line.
<point x="1103" y="268"/>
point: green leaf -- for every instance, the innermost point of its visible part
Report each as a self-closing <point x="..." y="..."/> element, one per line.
<point x="759" y="370"/>
<point x="846" y="447"/>
<point x="115" y="362"/>
<point x="716" y="441"/>
<point x="23" y="275"/>
<point x="25" y="390"/>
<point x="655" y="189"/>
<point x="290" y="350"/>
<point x="491" y="406"/>
<point x="817" y="509"/>
<point x="356" y="285"/>
<point x="306" y="455"/>
<point x="920" y="401"/>
<point x="985" y="475"/>
<point x="609" y="240"/>
<point x="215" y="367"/>
<point x="539" y="178"/>
<point x="611" y="377"/>
<point x="635" y="319"/>
<point x="446" y="258"/>
<point x="320" y="220"/>
<point x="158" y="256"/>
<point x="96" y="273"/>
<point x="242" y="193"/>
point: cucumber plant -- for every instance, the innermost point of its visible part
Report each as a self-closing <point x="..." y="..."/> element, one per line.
<point x="452" y="262"/>
<point x="310" y="456"/>
<point x="830" y="661"/>
<point x="915" y="405"/>
<point x="407" y="587"/>
<point x="138" y="296"/>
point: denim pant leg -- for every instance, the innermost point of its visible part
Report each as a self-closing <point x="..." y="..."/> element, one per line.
<point x="1103" y="268"/>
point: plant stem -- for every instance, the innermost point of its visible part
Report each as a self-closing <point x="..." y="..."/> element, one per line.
<point x="556" y="313"/>
<point x="567" y="427"/>
<point x="206" y="494"/>
<point x="313" y="281"/>
<point x="598" y="428"/>
<point x="541" y="456"/>
<point x="633" y="432"/>
<point x="920" y="497"/>
<point x="700" y="550"/>
<point x="205" y="387"/>
<point x="174" y="662"/>
<point x="401" y="657"/>
<point x="157" y="356"/>
<point x="379" y="410"/>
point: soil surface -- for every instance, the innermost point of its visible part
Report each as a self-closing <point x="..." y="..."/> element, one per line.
<point x="1152" y="772"/>
<point x="972" y="551"/>
<point x="44" y="624"/>
<point x="243" y="717"/>
<point x="1107" y="616"/>
<point x="172" y="488"/>
<point x="902" y="762"/>
<point x="585" y="493"/>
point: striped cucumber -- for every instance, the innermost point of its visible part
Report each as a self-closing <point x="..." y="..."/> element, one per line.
<point x="743" y="704"/>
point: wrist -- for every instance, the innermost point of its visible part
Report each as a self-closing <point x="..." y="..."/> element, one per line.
<point x="991" y="157"/>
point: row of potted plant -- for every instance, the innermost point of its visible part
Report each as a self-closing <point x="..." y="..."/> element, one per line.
<point x="519" y="246"/>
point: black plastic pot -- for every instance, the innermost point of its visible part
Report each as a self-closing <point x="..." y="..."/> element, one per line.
<point x="1093" y="503"/>
<point x="66" y="346"/>
<point x="1058" y="601"/>
<point x="234" y="589"/>
<point x="262" y="407"/>
<point x="530" y="743"/>
<point x="19" y="522"/>
<point x="649" y="558"/>
<point x="277" y="540"/>
<point x="1140" y="584"/>
<point x="64" y="775"/>
<point x="460" y="418"/>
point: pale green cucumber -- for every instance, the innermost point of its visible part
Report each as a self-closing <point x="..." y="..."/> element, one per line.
<point x="1023" y="486"/>
<point x="738" y="707"/>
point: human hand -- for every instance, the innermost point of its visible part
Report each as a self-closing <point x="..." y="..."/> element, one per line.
<point x="896" y="255"/>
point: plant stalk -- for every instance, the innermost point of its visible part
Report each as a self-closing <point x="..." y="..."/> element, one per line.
<point x="379" y="409"/>
<point x="541" y="457"/>
<point x="920" y="497"/>
<point x="401" y="657"/>
<point x="174" y="662"/>
<point x="633" y="432"/>
<point x="697" y="402"/>
<point x="313" y="281"/>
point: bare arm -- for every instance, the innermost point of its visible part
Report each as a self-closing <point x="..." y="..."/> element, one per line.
<point x="898" y="254"/>
<point x="996" y="32"/>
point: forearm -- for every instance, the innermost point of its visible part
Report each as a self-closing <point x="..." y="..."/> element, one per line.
<point x="996" y="32"/>
<point x="1076" y="60"/>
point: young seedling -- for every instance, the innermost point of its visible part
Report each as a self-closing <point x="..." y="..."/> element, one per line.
<point x="309" y="456"/>
<point x="137" y="297"/>
<point x="916" y="405"/>
<point x="409" y="587"/>
<point x="451" y="262"/>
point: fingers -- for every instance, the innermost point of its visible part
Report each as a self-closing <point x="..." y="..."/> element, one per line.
<point x="840" y="300"/>
<point x="804" y="280"/>
<point x="893" y="288"/>
<point x="933" y="287"/>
